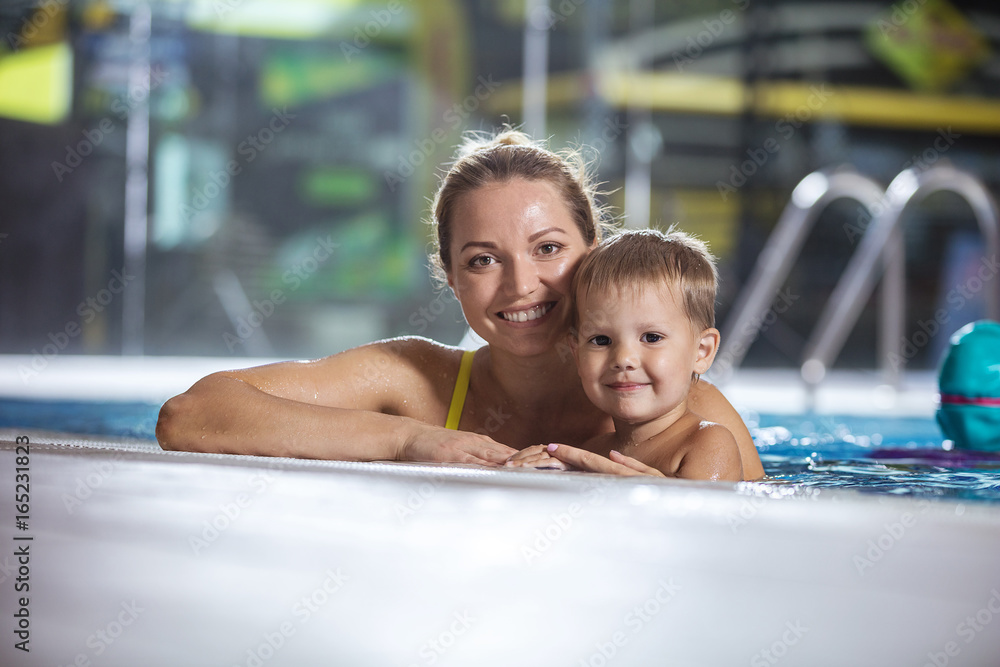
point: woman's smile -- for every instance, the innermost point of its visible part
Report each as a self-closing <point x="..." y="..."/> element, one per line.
<point x="514" y="258"/>
<point x="528" y="314"/>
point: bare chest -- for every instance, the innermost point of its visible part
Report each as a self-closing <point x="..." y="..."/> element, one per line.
<point x="520" y="427"/>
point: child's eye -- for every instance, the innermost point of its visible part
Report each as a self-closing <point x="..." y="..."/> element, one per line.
<point x="601" y="340"/>
<point x="651" y="338"/>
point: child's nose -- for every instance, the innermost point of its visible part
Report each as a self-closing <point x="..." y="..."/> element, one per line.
<point x="624" y="358"/>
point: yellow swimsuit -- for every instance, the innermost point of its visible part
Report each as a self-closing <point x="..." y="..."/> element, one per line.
<point x="461" y="390"/>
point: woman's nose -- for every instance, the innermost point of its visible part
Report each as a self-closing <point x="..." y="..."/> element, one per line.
<point x="522" y="277"/>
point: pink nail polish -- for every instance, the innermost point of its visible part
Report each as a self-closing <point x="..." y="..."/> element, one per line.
<point x="552" y="447"/>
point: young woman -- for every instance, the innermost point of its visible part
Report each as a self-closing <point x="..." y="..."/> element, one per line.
<point x="513" y="221"/>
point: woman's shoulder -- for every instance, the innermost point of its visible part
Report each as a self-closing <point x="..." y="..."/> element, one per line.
<point x="417" y="360"/>
<point x="415" y="351"/>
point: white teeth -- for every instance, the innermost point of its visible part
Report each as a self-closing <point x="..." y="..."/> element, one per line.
<point x="527" y="315"/>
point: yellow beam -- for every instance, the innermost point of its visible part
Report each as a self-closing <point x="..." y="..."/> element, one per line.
<point x="791" y="100"/>
<point x="36" y="83"/>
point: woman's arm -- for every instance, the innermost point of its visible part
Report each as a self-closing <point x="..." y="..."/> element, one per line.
<point x="706" y="400"/>
<point x="370" y="403"/>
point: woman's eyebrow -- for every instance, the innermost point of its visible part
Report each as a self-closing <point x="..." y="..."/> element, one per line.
<point x="543" y="232"/>
<point x="531" y="239"/>
<point x="478" y="244"/>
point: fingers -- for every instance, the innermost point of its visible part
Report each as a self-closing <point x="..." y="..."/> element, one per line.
<point x="496" y="453"/>
<point x="535" y="456"/>
<point x="592" y="462"/>
<point x="532" y="453"/>
<point x="635" y="464"/>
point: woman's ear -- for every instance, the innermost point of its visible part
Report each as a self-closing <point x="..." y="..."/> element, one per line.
<point x="708" y="346"/>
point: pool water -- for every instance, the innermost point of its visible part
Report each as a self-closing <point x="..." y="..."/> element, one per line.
<point x="898" y="456"/>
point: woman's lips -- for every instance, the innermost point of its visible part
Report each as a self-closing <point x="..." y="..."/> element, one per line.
<point x="527" y="314"/>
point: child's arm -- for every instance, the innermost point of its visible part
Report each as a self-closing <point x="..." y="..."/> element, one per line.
<point x="712" y="453"/>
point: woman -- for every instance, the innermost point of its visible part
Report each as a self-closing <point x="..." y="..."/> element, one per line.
<point x="513" y="221"/>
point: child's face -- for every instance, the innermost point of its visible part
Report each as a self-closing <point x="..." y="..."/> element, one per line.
<point x="636" y="352"/>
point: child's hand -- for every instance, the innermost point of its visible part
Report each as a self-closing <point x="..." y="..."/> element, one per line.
<point x="617" y="464"/>
<point x="536" y="456"/>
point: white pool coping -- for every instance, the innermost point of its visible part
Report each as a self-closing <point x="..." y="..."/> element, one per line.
<point x="154" y="379"/>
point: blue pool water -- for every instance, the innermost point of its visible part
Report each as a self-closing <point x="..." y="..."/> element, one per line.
<point x="899" y="456"/>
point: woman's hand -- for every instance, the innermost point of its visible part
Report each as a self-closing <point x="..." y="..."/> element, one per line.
<point x="441" y="445"/>
<point x="536" y="456"/>
<point x="617" y="464"/>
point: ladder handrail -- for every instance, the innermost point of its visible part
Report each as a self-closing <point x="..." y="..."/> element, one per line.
<point x="858" y="280"/>
<point x="809" y="198"/>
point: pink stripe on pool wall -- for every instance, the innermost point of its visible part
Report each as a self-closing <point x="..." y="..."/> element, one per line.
<point x="956" y="399"/>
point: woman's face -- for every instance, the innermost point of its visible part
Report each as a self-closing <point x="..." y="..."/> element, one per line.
<point x="514" y="249"/>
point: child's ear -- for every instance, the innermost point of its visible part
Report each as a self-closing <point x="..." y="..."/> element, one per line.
<point x="708" y="346"/>
<point x="573" y="345"/>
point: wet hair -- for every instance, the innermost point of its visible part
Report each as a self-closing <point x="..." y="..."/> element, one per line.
<point x="485" y="159"/>
<point x="636" y="258"/>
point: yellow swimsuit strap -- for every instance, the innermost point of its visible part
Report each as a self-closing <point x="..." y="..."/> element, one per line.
<point x="461" y="389"/>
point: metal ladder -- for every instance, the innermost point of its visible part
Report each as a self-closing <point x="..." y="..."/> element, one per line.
<point x="882" y="239"/>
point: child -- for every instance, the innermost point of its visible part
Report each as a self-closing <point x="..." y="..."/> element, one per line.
<point x="642" y="333"/>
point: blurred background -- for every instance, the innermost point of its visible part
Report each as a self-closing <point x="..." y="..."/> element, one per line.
<point x="252" y="178"/>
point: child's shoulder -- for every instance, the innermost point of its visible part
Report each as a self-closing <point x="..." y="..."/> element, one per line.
<point x="712" y="431"/>
<point x="711" y="452"/>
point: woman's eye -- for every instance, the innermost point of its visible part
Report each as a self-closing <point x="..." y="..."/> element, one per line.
<point x="600" y="340"/>
<point x="480" y="261"/>
<point x="548" y="248"/>
<point x="651" y="338"/>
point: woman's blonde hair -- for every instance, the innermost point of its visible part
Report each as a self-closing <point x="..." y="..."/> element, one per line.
<point x="484" y="159"/>
<point x="640" y="257"/>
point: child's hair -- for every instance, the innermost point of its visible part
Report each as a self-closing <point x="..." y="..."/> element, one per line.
<point x="634" y="258"/>
<point x="487" y="159"/>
